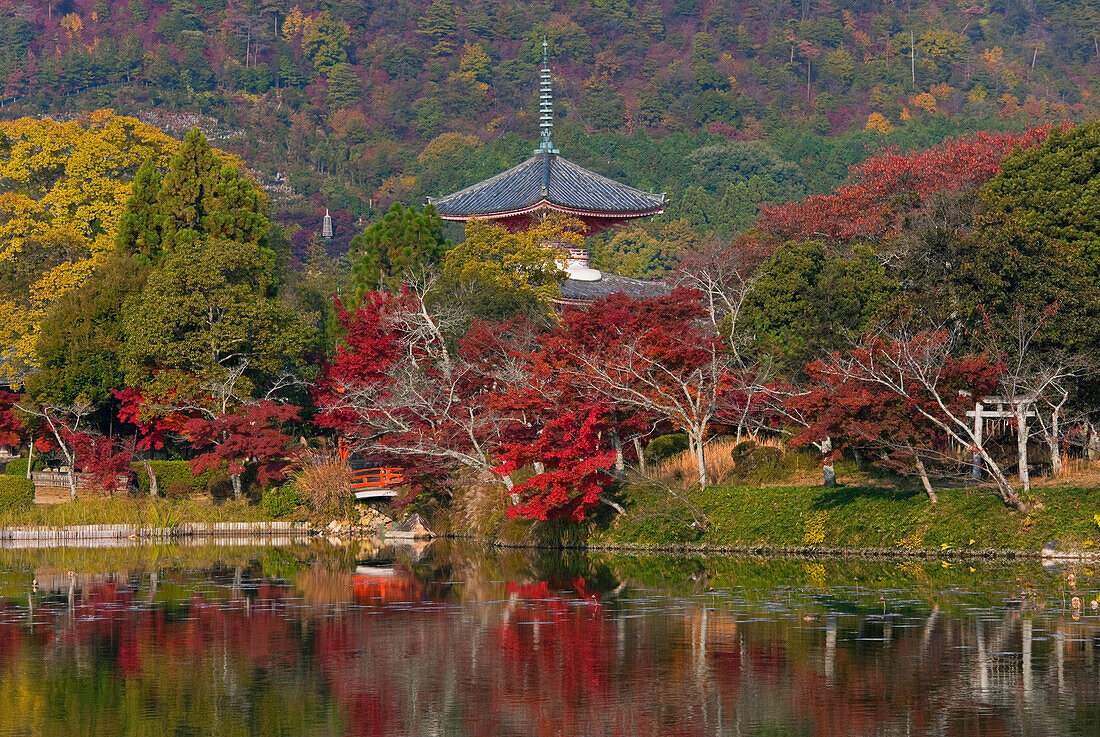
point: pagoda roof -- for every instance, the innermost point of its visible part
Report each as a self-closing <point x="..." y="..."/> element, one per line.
<point x="547" y="181"/>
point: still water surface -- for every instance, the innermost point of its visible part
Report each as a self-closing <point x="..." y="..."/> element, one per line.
<point x="318" y="640"/>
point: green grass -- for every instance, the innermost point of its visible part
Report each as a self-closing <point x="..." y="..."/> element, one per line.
<point x="132" y="511"/>
<point x="858" y="517"/>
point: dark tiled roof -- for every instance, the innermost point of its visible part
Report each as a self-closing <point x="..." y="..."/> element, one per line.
<point x="550" y="178"/>
<point x="588" y="291"/>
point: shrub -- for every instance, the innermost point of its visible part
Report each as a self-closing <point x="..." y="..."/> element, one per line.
<point x="179" y="489"/>
<point x="760" y="463"/>
<point x="171" y="473"/>
<point x="324" y="481"/>
<point x="18" y="466"/>
<point x="664" y="447"/>
<point x="281" y="501"/>
<point x="219" y="485"/>
<point x="16" y="493"/>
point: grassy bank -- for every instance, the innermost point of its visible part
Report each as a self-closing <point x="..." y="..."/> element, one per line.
<point x="158" y="513"/>
<point x="884" y="518"/>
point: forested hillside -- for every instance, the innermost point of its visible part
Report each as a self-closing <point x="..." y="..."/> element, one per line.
<point x="724" y="104"/>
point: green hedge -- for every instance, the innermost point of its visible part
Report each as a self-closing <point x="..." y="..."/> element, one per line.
<point x="16" y="493"/>
<point x="18" y="467"/>
<point x="280" y="501"/>
<point x="171" y="474"/>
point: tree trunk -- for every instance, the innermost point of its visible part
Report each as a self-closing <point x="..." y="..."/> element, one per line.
<point x="72" y="484"/>
<point x="620" y="461"/>
<point x="509" y="485"/>
<point x="1020" y="410"/>
<point x="236" y="479"/>
<point x="828" y="473"/>
<point x="1054" y="438"/>
<point x="641" y="454"/>
<point x="30" y="457"/>
<point x="70" y="459"/>
<point x="154" y="490"/>
<point x="1004" y="486"/>
<point x="924" y="478"/>
<point x="612" y="503"/>
<point x="700" y="456"/>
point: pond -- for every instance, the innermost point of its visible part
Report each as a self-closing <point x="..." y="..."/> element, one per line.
<point x="322" y="639"/>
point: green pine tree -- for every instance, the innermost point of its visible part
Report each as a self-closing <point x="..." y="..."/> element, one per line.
<point x="405" y="239"/>
<point x="140" y="229"/>
<point x="138" y="13"/>
<point x="201" y="196"/>
<point x="439" y="25"/>
<point x="344" y="89"/>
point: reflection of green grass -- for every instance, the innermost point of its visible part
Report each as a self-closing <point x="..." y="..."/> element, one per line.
<point x="859" y="517"/>
<point x="148" y="557"/>
<point x="121" y="510"/>
<point x="852" y="586"/>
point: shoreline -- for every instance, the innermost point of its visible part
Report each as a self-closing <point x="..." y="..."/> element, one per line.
<point x="76" y="535"/>
<point x="785" y="551"/>
<point x="279" y="532"/>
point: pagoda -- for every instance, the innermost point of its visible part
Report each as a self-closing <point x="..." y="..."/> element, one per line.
<point x="521" y="196"/>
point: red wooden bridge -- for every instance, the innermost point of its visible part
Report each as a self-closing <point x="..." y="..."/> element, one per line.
<point x="376" y="483"/>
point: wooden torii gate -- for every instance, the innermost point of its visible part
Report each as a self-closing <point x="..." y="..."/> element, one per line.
<point x="1019" y="410"/>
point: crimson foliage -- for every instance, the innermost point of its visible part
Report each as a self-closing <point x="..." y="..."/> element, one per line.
<point x="883" y="188"/>
<point x="250" y="434"/>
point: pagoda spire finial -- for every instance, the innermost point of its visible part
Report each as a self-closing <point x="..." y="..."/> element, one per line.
<point x="546" y="106"/>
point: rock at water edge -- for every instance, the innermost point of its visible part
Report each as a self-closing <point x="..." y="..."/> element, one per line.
<point x="412" y="528"/>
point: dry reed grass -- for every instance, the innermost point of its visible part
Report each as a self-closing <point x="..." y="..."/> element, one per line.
<point x="324" y="480"/>
<point x="683" y="467"/>
<point x="478" y="507"/>
<point x="1075" y="472"/>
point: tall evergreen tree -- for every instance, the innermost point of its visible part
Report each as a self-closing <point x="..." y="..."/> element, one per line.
<point x="202" y="196"/>
<point x="140" y="229"/>
<point x="186" y="187"/>
<point x="439" y="25"/>
<point x="404" y="239"/>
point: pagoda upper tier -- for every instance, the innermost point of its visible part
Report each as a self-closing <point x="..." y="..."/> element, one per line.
<point x="517" y="198"/>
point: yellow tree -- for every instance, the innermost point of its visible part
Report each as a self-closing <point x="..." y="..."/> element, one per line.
<point x="63" y="188"/>
<point x="495" y="273"/>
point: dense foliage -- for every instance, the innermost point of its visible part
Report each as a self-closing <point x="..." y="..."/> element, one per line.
<point x="725" y="104"/>
<point x="819" y="287"/>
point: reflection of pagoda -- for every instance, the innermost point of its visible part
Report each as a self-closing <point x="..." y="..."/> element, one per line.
<point x="546" y="183"/>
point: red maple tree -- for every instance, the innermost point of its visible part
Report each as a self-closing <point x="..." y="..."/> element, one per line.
<point x="903" y="396"/>
<point x="248" y="435"/>
<point x="577" y="460"/>
<point x="105" y="459"/>
<point x="10" y="425"/>
<point x="884" y="187"/>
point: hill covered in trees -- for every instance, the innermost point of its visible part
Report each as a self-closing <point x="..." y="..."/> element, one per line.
<point x="724" y="104"/>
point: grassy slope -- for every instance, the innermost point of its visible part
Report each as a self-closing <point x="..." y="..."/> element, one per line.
<point x="860" y="517"/>
<point x="100" y="511"/>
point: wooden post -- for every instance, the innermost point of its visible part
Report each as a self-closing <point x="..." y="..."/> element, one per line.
<point x="979" y="427"/>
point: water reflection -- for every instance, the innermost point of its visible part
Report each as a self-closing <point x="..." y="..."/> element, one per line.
<point x="462" y="641"/>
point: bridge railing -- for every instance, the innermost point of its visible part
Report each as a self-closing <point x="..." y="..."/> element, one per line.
<point x="376" y="478"/>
